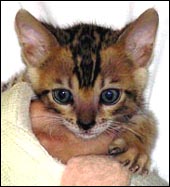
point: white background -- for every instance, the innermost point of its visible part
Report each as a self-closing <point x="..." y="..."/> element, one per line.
<point x="115" y="14"/>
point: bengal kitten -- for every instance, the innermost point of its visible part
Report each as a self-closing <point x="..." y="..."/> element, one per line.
<point x="94" y="78"/>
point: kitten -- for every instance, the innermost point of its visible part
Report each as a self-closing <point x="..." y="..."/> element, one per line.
<point x="93" y="78"/>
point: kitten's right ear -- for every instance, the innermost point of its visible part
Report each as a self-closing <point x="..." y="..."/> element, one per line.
<point x="139" y="37"/>
<point x="36" y="41"/>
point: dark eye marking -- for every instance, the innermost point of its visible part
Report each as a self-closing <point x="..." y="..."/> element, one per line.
<point x="121" y="110"/>
<point x="115" y="80"/>
<point x="70" y="83"/>
<point x="58" y="81"/>
<point x="131" y="94"/>
<point x="45" y="92"/>
<point x="54" y="110"/>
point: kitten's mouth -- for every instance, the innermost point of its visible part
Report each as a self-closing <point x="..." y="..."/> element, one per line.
<point x="87" y="135"/>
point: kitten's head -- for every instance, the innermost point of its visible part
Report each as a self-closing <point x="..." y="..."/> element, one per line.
<point x="91" y="76"/>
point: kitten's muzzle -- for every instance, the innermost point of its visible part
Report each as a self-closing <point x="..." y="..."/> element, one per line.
<point x="85" y="125"/>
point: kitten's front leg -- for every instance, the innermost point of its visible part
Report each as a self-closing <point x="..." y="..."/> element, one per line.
<point x="134" y="145"/>
<point x="136" y="159"/>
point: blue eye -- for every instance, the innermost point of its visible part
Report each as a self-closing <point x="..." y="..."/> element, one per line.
<point x="110" y="96"/>
<point x="62" y="96"/>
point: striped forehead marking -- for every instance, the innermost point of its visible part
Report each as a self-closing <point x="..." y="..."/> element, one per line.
<point x="85" y="41"/>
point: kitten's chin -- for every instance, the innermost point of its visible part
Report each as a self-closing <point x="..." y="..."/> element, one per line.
<point x="87" y="136"/>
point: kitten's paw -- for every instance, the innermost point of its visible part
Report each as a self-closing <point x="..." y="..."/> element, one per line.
<point x="136" y="161"/>
<point x="117" y="146"/>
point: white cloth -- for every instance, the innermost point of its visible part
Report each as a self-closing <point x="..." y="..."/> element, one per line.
<point x="24" y="161"/>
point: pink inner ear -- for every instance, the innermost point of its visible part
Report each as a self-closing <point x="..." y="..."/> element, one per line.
<point x="139" y="45"/>
<point x="139" y="37"/>
<point x="34" y="43"/>
<point x="30" y="36"/>
<point x="35" y="39"/>
<point x="142" y="36"/>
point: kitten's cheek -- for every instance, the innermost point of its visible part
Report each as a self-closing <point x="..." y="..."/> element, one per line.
<point x="36" y="108"/>
<point x="106" y="112"/>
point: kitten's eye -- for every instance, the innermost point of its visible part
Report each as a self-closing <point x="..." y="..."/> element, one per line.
<point x="62" y="96"/>
<point x="110" y="96"/>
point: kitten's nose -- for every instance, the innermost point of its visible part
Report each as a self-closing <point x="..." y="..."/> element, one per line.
<point x="85" y="125"/>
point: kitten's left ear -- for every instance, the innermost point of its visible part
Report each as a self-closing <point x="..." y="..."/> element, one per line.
<point x="138" y="38"/>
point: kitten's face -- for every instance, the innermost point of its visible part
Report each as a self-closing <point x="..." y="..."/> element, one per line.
<point x="88" y="111"/>
<point x="91" y="77"/>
